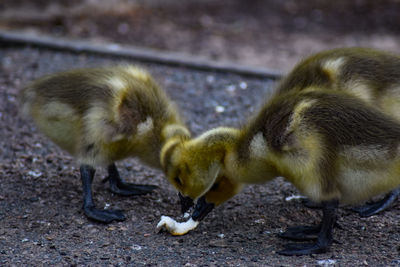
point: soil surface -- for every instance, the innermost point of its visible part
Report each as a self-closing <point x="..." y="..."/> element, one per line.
<point x="273" y="34"/>
<point x="42" y="223"/>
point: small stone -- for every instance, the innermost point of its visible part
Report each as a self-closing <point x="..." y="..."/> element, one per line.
<point x="210" y="79"/>
<point x="11" y="99"/>
<point x="243" y="85"/>
<point x="231" y="88"/>
<point x="260" y="221"/>
<point x="326" y="262"/>
<point x="219" y="109"/>
<point x="293" y="197"/>
<point x="136" y="247"/>
<point x="35" y="174"/>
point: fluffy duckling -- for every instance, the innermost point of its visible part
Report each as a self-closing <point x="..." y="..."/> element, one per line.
<point x="368" y="74"/>
<point x="100" y="116"/>
<point x="292" y="136"/>
<point x="332" y="146"/>
<point x="371" y="75"/>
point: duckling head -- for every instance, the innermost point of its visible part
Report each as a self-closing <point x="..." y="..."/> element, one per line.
<point x="191" y="166"/>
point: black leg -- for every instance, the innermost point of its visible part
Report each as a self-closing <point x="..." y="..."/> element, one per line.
<point x="120" y="187"/>
<point x="201" y="209"/>
<point x="376" y="207"/>
<point x="325" y="237"/>
<point x="301" y="233"/>
<point x="311" y="204"/>
<point x="105" y="216"/>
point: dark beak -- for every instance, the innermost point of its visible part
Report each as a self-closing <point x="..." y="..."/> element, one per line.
<point x="201" y="209"/>
<point x="186" y="203"/>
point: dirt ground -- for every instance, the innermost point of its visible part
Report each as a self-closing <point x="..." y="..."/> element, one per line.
<point x="269" y="33"/>
<point x="41" y="221"/>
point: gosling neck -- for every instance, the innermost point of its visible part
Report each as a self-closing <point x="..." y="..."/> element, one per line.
<point x="172" y="136"/>
<point x="171" y="131"/>
<point x="221" y="138"/>
<point x="253" y="163"/>
<point x="215" y="144"/>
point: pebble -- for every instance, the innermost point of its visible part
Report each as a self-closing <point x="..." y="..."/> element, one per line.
<point x="35" y="174"/>
<point x="243" y="85"/>
<point x="219" y="109"/>
<point x="326" y="262"/>
<point x="231" y="88"/>
<point x="260" y="221"/>
<point x="293" y="197"/>
<point x="136" y="247"/>
<point x="210" y="79"/>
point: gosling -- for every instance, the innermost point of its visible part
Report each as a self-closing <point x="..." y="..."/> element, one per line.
<point x="100" y="116"/>
<point x="370" y="75"/>
<point x="328" y="140"/>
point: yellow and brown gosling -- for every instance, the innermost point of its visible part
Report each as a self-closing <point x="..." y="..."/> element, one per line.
<point x="100" y="116"/>
<point x="370" y="75"/>
<point x="333" y="143"/>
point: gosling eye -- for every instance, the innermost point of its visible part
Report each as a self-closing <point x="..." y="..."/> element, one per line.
<point x="178" y="181"/>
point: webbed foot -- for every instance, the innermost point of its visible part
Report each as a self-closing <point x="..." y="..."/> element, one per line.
<point x="120" y="187"/>
<point x="301" y="233"/>
<point x="376" y="207"/>
<point x="304" y="249"/>
<point x="366" y="210"/>
<point x="324" y="231"/>
<point x="128" y="189"/>
<point x="104" y="216"/>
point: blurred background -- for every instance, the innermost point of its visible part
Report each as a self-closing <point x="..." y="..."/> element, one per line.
<point x="269" y="33"/>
